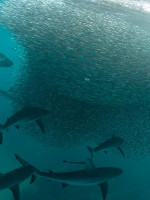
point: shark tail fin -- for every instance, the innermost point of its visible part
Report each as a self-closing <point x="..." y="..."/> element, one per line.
<point x="91" y="150"/>
<point x="24" y="163"/>
<point x="21" y="160"/>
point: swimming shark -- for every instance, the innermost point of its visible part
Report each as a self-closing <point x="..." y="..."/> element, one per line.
<point x="24" y="116"/>
<point x="13" y="178"/>
<point x="4" y="61"/>
<point x="88" y="177"/>
<point x="110" y="144"/>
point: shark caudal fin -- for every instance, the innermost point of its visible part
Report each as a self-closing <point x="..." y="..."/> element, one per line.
<point x="91" y="150"/>
<point x="21" y="160"/>
<point x="24" y="163"/>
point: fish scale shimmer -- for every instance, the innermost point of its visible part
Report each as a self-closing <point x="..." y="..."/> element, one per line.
<point x="90" y="68"/>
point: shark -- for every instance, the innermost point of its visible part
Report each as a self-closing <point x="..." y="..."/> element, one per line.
<point x="87" y="177"/>
<point x="13" y="178"/>
<point x="110" y="144"/>
<point x="24" y="116"/>
<point x="4" y="61"/>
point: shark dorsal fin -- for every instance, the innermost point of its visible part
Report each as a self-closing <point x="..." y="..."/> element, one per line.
<point x="15" y="191"/>
<point x="89" y="165"/>
<point x="104" y="189"/>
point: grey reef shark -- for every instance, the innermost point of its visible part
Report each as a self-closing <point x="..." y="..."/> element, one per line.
<point x="112" y="143"/>
<point x="88" y="177"/>
<point x="12" y="179"/>
<point x="25" y="116"/>
<point x="4" y="61"/>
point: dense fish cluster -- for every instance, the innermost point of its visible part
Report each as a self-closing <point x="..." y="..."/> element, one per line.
<point x="90" y="68"/>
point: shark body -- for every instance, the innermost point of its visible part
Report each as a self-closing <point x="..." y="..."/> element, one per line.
<point x="24" y="116"/>
<point x="110" y="144"/>
<point x="84" y="177"/>
<point x="89" y="177"/>
<point x="13" y="178"/>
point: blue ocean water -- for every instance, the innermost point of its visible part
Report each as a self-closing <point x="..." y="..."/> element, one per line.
<point x="135" y="181"/>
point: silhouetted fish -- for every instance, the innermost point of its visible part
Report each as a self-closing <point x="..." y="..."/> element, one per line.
<point x="12" y="179"/>
<point x="112" y="143"/>
<point x="24" y="116"/>
<point x="90" y="176"/>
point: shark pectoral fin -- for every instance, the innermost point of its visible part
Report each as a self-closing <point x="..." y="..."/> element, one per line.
<point x="15" y="191"/>
<point x="17" y="126"/>
<point x="119" y="148"/>
<point x="105" y="152"/>
<point x="64" y="185"/>
<point x="41" y="125"/>
<point x="33" y="178"/>
<point x="104" y="189"/>
<point x="1" y="137"/>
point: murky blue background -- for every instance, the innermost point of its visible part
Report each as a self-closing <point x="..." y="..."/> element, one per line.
<point x="133" y="184"/>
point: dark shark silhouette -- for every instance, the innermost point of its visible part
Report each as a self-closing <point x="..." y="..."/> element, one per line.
<point x="24" y="116"/>
<point x="13" y="178"/>
<point x="112" y="143"/>
<point x="88" y="177"/>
